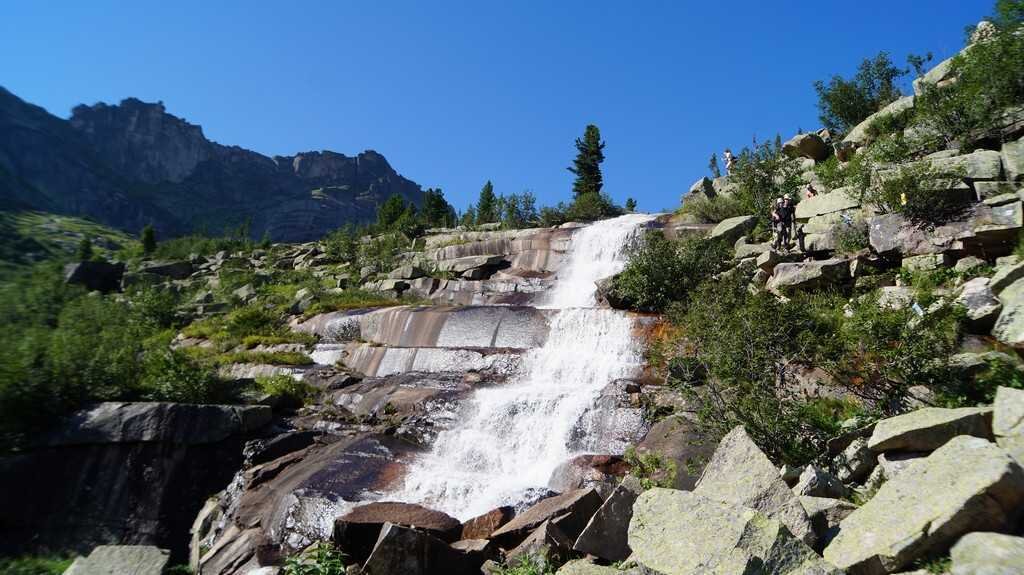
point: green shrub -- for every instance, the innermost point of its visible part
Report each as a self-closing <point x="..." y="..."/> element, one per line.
<point x="551" y="216"/>
<point x="172" y="375"/>
<point x="286" y="387"/>
<point x="324" y="559"/>
<point x="763" y="174"/>
<point x="651" y="469"/>
<point x="845" y="103"/>
<point x="590" y="206"/>
<point x="355" y="299"/>
<point x="749" y="345"/>
<point x="530" y="564"/>
<point x="981" y="390"/>
<point x="990" y="78"/>
<point x="711" y="210"/>
<point x="851" y="237"/>
<point x="661" y="271"/>
<point x="34" y="565"/>
<point x="857" y="172"/>
<point x="263" y="357"/>
<point x="917" y="192"/>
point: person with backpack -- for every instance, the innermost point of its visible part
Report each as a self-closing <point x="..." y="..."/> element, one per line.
<point x="782" y="220"/>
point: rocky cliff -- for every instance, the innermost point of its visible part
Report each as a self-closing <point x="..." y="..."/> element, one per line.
<point x="133" y="163"/>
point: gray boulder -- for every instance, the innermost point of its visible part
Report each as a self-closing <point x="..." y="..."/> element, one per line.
<point x="411" y="552"/>
<point x="855" y="462"/>
<point x="837" y="200"/>
<point x="929" y="428"/>
<point x="978" y="165"/>
<point x="683" y="533"/>
<point x="570" y="512"/>
<point x="1009" y="327"/>
<point x="927" y="262"/>
<point x="894" y="463"/>
<point x="546" y="542"/>
<point x="826" y="514"/>
<point x="1013" y="160"/>
<point x="859" y="134"/>
<point x="988" y="554"/>
<point x="739" y="473"/>
<point x="980" y="304"/>
<point x="606" y="534"/>
<point x="95" y="276"/>
<point x="1005" y="276"/>
<point x="817" y="482"/>
<point x="789" y="277"/>
<point x="121" y="560"/>
<point x="406" y="272"/>
<point x="968" y="263"/>
<point x="806" y="146"/>
<point x="682" y="441"/>
<point x="968" y="484"/>
<point x="731" y="229"/>
<point x="1008" y="421"/>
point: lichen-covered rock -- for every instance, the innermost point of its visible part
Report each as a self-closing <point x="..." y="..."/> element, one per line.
<point x="929" y="428"/>
<point x="826" y="514"/>
<point x="740" y="473"/>
<point x="817" y="482"/>
<point x="411" y="552"/>
<point x="1013" y="160"/>
<point x="127" y="559"/>
<point x="806" y="146"/>
<point x="1008" y="421"/>
<point x="683" y="533"/>
<point x="606" y="534"/>
<point x="837" y="200"/>
<point x="859" y="134"/>
<point x="968" y="484"/>
<point x="980" y="304"/>
<point x="731" y="229"/>
<point x="787" y="277"/>
<point x="988" y="554"/>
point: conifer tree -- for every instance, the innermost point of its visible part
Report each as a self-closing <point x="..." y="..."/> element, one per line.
<point x="487" y="205"/>
<point x="148" y="239"/>
<point x="630" y="205"/>
<point x="85" y="250"/>
<point x="587" y="165"/>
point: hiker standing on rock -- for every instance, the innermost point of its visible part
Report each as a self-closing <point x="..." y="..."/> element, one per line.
<point x="730" y="161"/>
<point x="782" y="221"/>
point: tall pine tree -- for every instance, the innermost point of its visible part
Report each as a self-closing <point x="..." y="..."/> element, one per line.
<point x="587" y="165"/>
<point x="487" y="205"/>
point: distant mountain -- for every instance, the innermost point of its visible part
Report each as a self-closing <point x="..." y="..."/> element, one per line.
<point x="133" y="164"/>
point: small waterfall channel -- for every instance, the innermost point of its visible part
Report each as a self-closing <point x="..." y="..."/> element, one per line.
<point x="511" y="437"/>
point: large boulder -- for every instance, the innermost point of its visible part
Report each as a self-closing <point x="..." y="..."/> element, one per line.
<point x="1008" y="421"/>
<point x="859" y="134"/>
<point x="988" y="554"/>
<point x="357" y="531"/>
<point x="570" y="512"/>
<point x="806" y="146"/>
<point x="929" y="428"/>
<point x="826" y="514"/>
<point x="978" y="165"/>
<point x="482" y="526"/>
<point x="730" y="230"/>
<point x="1013" y="160"/>
<point x="838" y="200"/>
<point x="121" y="559"/>
<point x="412" y="552"/>
<point x="683" y="442"/>
<point x="547" y="542"/>
<point x="742" y="474"/>
<point x="606" y="534"/>
<point x="798" y="276"/>
<point x="990" y="230"/>
<point x="703" y="186"/>
<point x="1009" y="327"/>
<point x="683" y="533"/>
<point x="968" y="484"/>
<point x="980" y="304"/>
<point x="95" y="276"/>
<point x="817" y="482"/>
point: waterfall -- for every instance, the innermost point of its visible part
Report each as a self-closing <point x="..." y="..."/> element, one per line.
<point x="511" y="437"/>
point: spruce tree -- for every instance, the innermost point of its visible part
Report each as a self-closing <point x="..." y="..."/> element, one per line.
<point x="587" y="165"/>
<point x="487" y="205"/>
<point x="630" y="205"/>
<point x="85" y="250"/>
<point x="148" y="239"/>
<point x="389" y="212"/>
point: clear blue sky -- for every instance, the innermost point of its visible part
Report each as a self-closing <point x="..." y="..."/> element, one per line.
<point x="455" y="93"/>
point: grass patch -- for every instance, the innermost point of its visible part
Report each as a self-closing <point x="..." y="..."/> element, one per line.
<point x="357" y="299"/>
<point x="34" y="565"/>
<point x="263" y="357"/>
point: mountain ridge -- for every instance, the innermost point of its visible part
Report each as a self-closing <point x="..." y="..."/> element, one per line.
<point x="132" y="164"/>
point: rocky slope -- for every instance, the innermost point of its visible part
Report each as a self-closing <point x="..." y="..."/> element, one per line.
<point x="133" y="164"/>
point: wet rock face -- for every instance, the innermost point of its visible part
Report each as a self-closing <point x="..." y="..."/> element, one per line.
<point x="123" y="472"/>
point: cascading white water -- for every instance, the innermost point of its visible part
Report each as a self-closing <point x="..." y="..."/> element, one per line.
<point x="513" y="436"/>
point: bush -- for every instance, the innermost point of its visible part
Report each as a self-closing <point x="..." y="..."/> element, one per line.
<point x="845" y="103"/>
<point x="34" y="565"/>
<point x="529" y="564"/>
<point x="990" y="79"/>
<point x="651" y="469"/>
<point x="749" y="344"/>
<point x="553" y="216"/>
<point x="763" y="174"/>
<point x="324" y="559"/>
<point x="916" y="192"/>
<point x="171" y="375"/>
<point x="287" y="388"/>
<point x="591" y="206"/>
<point x="711" y="210"/>
<point x="851" y="237"/>
<point x="661" y="271"/>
